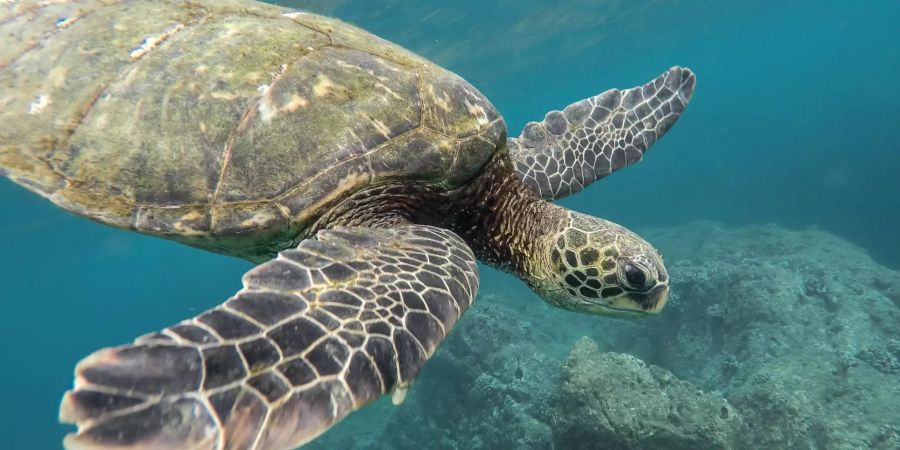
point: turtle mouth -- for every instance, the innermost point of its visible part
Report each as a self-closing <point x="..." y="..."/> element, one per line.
<point x="628" y="304"/>
<point x="654" y="300"/>
<point x="634" y="304"/>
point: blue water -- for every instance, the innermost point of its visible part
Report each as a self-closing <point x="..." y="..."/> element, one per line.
<point x="794" y="121"/>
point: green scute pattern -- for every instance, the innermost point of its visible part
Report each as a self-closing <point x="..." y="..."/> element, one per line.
<point x="225" y="125"/>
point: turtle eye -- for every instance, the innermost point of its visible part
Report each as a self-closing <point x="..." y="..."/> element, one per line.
<point x="635" y="278"/>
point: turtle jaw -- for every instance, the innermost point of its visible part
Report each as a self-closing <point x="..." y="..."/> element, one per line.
<point x="659" y="301"/>
<point x="625" y="305"/>
<point x="631" y="304"/>
<point x="650" y="302"/>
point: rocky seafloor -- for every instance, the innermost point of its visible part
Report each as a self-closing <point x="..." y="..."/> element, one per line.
<point x="772" y="338"/>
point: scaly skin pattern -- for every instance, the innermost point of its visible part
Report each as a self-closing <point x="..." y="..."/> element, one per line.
<point x="594" y="137"/>
<point x="500" y="218"/>
<point x="587" y="264"/>
<point x="314" y="334"/>
<point x="572" y="260"/>
<point x="228" y="125"/>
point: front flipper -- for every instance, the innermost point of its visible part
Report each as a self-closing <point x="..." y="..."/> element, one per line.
<point x="597" y="136"/>
<point x="316" y="333"/>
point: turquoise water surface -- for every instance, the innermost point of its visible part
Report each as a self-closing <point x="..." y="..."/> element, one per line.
<point x="794" y="122"/>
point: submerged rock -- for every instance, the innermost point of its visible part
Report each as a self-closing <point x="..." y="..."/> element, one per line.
<point x="486" y="390"/>
<point x="615" y="401"/>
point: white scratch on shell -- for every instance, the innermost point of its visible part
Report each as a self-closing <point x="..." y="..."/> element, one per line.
<point x="152" y="42"/>
<point x="389" y="91"/>
<point x="64" y="22"/>
<point x="265" y="106"/>
<point x="478" y="111"/>
<point x="293" y="14"/>
<point x="40" y="102"/>
<point x="259" y="219"/>
<point x="381" y="127"/>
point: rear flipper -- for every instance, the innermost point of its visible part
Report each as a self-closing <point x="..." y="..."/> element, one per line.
<point x="314" y="334"/>
<point x="597" y="136"/>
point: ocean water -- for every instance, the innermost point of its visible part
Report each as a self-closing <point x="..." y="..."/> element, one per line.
<point x="794" y="122"/>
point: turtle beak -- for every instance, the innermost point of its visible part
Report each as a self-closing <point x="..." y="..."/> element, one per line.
<point x="654" y="300"/>
<point x="640" y="303"/>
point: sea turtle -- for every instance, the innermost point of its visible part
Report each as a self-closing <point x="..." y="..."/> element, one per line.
<point x="363" y="179"/>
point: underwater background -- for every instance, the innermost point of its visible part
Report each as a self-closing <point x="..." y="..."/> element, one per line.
<point x="775" y="199"/>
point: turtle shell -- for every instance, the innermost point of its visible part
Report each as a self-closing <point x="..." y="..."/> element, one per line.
<point x="228" y="125"/>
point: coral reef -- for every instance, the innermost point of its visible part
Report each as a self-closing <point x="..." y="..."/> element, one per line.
<point x="492" y="400"/>
<point x="489" y="386"/>
<point x="795" y="328"/>
<point x="795" y="333"/>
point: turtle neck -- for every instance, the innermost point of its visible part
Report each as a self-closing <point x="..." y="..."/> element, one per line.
<point x="505" y="223"/>
<point x="502" y="219"/>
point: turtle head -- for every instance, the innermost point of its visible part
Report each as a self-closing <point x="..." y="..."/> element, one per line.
<point x="598" y="267"/>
